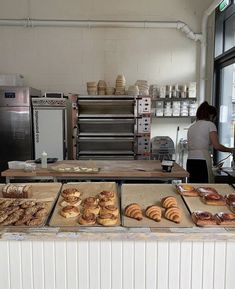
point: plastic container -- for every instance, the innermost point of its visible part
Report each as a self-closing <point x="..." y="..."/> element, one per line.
<point x="16" y="165"/>
<point x="44" y="160"/>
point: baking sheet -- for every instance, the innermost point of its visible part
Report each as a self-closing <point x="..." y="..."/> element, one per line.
<point x="87" y="169"/>
<point x="41" y="192"/>
<point x="88" y="190"/>
<point x="151" y="194"/>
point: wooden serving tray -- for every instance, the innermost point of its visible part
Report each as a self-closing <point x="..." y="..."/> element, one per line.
<point x="41" y="192"/>
<point x="151" y="194"/>
<point x="88" y="189"/>
<point x="196" y="203"/>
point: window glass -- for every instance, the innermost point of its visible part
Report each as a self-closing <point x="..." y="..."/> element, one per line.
<point x="229" y="40"/>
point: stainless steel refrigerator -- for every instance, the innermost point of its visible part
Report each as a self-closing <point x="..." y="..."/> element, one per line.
<point x="16" y="129"/>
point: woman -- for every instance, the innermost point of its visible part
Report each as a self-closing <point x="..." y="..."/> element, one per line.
<point x="201" y="136"/>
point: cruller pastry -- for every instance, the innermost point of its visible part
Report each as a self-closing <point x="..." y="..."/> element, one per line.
<point x="87" y="219"/>
<point x="71" y="192"/>
<point x="154" y="212"/>
<point x="169" y="202"/>
<point x="173" y="214"/>
<point x="70" y="212"/>
<point x="187" y="190"/>
<point x="134" y="211"/>
<point x="107" y="219"/>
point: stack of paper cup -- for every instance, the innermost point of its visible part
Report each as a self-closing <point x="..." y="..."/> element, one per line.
<point x="110" y="90"/>
<point x="120" y="85"/>
<point x="102" y="87"/>
<point x="143" y="87"/>
<point x="92" y="88"/>
<point x="133" y="90"/>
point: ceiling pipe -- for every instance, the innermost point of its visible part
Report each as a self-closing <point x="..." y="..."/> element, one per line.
<point x="103" y="24"/>
<point x="206" y="14"/>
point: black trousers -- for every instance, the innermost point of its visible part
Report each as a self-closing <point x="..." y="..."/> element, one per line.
<point x="197" y="171"/>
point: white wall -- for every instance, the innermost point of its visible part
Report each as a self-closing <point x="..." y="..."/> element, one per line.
<point x="64" y="59"/>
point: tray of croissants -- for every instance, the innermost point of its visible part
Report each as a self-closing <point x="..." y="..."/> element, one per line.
<point x="87" y="204"/>
<point x="153" y="206"/>
<point x="209" y="204"/>
<point x="28" y="204"/>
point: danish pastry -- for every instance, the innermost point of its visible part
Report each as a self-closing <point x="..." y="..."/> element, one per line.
<point x="70" y="212"/>
<point x="104" y="195"/>
<point x="202" y="218"/>
<point x="94" y="209"/>
<point x="230" y="199"/>
<point x="173" y="214"/>
<point x="187" y="190"/>
<point x="225" y="218"/>
<point x="90" y="201"/>
<point x="214" y="199"/>
<point x="206" y="190"/>
<point x="169" y="202"/>
<point x="87" y="219"/>
<point x="70" y="201"/>
<point x="71" y="192"/>
<point x="134" y="211"/>
<point x="110" y="209"/>
<point x="107" y="219"/>
<point x="154" y="213"/>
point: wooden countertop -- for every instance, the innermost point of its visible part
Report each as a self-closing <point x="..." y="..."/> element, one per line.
<point x="116" y="169"/>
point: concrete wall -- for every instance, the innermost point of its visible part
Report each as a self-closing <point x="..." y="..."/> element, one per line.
<point x="64" y="59"/>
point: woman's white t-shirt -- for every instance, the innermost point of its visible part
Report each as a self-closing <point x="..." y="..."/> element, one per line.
<point x="199" y="139"/>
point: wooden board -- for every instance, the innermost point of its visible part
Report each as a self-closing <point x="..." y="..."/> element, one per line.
<point x="88" y="189"/>
<point x="151" y="194"/>
<point x="196" y="204"/>
<point x="41" y="192"/>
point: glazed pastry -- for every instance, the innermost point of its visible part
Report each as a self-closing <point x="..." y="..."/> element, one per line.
<point x="106" y="202"/>
<point x="201" y="218"/>
<point x="134" y="211"/>
<point x="70" y="192"/>
<point x="94" y="209"/>
<point x="28" y="204"/>
<point x="11" y="219"/>
<point x="214" y="199"/>
<point x="31" y="210"/>
<point x="110" y="209"/>
<point x="87" y="219"/>
<point x="206" y="190"/>
<point x="41" y="213"/>
<point x="187" y="190"/>
<point x="6" y="204"/>
<point x="90" y="201"/>
<point x="3" y="217"/>
<point x="230" y="199"/>
<point x="34" y="222"/>
<point x="70" y="212"/>
<point x="23" y="220"/>
<point x="173" y="214"/>
<point x="107" y="219"/>
<point x="225" y="218"/>
<point x="169" y="202"/>
<point x="154" y="213"/>
<point x="106" y="195"/>
<point x="70" y="201"/>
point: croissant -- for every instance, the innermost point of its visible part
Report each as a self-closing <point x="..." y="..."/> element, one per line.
<point x="169" y="202"/>
<point x="154" y="212"/>
<point x="173" y="214"/>
<point x="134" y="211"/>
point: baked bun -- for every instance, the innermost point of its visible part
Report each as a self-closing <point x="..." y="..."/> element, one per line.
<point x="110" y="209"/>
<point x="71" y="192"/>
<point x="90" y="201"/>
<point x="225" y="218"/>
<point x="107" y="219"/>
<point x="214" y="199"/>
<point x="169" y="202"/>
<point x="154" y="213"/>
<point x="94" y="209"/>
<point x="173" y="214"/>
<point x="87" y="219"/>
<point x="206" y="190"/>
<point x="71" y="201"/>
<point x="187" y="190"/>
<point x="70" y="212"/>
<point x="106" y="202"/>
<point x="202" y="218"/>
<point x="106" y="195"/>
<point x="134" y="211"/>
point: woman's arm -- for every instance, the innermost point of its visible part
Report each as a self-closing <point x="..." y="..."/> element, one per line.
<point x="216" y="145"/>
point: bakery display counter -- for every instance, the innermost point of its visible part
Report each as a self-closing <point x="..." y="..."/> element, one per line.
<point x="117" y="170"/>
<point x="120" y="257"/>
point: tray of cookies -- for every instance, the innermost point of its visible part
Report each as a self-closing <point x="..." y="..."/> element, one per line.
<point x="87" y="204"/>
<point x="213" y="204"/>
<point x="27" y="205"/>
<point x="153" y="206"/>
<point x="65" y="168"/>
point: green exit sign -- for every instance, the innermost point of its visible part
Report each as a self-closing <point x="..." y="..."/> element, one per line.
<point x="223" y="5"/>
